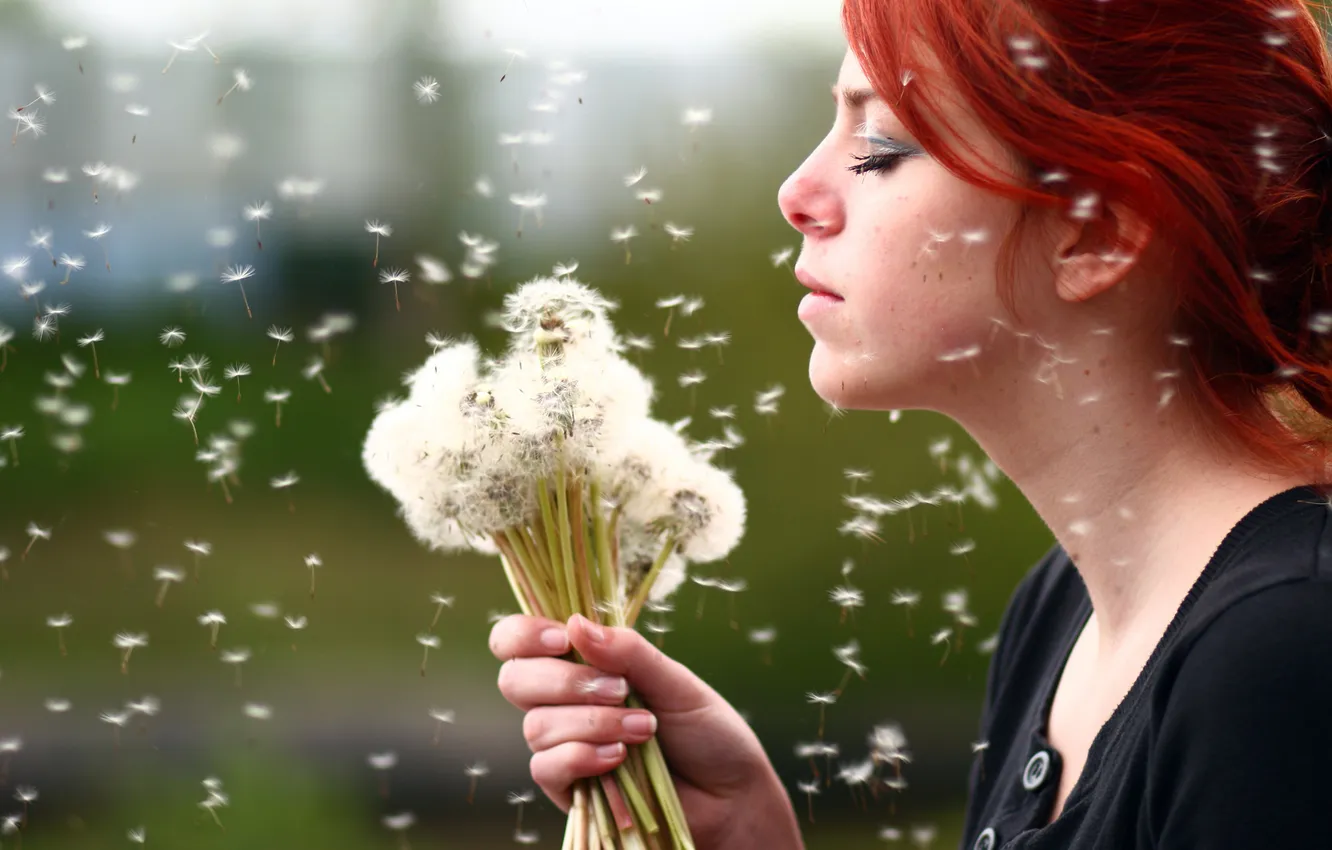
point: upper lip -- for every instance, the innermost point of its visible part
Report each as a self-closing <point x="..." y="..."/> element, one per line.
<point x="809" y="280"/>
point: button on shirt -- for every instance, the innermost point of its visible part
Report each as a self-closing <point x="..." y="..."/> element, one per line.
<point x="1224" y="742"/>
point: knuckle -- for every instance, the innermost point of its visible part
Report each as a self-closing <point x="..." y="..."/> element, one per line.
<point x="544" y="772"/>
<point x="505" y="680"/>
<point x="534" y="729"/>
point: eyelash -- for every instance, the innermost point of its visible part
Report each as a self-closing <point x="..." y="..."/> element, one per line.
<point x="878" y="160"/>
<point x="873" y="162"/>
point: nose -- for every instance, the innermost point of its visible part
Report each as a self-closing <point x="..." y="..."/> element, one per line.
<point x="809" y="203"/>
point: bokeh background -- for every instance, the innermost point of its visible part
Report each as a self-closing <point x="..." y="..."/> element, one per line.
<point x="331" y="133"/>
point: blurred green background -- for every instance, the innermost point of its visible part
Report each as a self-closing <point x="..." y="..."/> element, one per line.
<point x="348" y="685"/>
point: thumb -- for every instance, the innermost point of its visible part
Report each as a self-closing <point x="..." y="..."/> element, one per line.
<point x="663" y="683"/>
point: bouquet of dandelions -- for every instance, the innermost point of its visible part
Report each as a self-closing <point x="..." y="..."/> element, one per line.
<point x="548" y="456"/>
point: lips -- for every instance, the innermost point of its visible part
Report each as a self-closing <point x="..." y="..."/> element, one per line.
<point x="814" y="284"/>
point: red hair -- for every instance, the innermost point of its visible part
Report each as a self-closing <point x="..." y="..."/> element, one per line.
<point x="1212" y="120"/>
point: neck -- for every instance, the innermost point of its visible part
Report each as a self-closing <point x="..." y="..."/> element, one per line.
<point x="1131" y="492"/>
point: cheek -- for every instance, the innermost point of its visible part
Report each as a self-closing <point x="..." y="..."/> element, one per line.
<point x="927" y="270"/>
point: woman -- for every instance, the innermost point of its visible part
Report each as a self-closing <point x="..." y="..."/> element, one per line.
<point x="1097" y="235"/>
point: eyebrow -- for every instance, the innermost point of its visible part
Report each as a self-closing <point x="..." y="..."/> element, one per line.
<point x="853" y="98"/>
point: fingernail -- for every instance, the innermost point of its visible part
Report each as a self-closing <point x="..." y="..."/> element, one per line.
<point x="614" y="687"/>
<point x="555" y="639"/>
<point x="640" y="724"/>
<point x="610" y="751"/>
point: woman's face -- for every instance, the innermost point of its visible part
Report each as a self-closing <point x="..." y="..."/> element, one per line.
<point x="908" y="252"/>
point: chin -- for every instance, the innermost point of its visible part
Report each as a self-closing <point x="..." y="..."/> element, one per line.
<point x="845" y="385"/>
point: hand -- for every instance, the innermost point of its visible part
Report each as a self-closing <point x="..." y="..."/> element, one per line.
<point x="577" y="727"/>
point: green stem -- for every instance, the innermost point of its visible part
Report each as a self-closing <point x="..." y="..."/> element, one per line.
<point x="578" y="531"/>
<point x="645" y="586"/>
<point x="529" y="572"/>
<point x="607" y="565"/>
<point x="629" y="787"/>
<point x="509" y="560"/>
<point x="602" y="811"/>
<point x="540" y="559"/>
<point x="659" y="775"/>
<point x="576" y="602"/>
<point x="553" y="545"/>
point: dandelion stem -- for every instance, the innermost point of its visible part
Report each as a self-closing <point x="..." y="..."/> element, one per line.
<point x="645" y="586"/>
<point x="553" y="547"/>
<point x="511" y="561"/>
<point x="275" y="352"/>
<point x="637" y="802"/>
<point x="601" y="809"/>
<point x="60" y="635"/>
<point x="571" y="583"/>
<point x="605" y="563"/>
<point x="244" y="299"/>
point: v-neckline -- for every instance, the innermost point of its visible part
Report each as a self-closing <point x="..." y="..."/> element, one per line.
<point x="1222" y="555"/>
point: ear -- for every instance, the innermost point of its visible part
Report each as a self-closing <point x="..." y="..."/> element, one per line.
<point x="1098" y="253"/>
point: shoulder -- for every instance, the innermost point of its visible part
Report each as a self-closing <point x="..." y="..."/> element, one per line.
<point x="1247" y="719"/>
<point x="1277" y="636"/>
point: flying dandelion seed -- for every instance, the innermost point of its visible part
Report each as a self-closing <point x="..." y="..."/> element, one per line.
<point x="379" y="229"/>
<point x="12" y="434"/>
<point x="395" y="277"/>
<point x="315" y="371"/>
<point x="214" y="621"/>
<point x="382" y="763"/>
<point x="277" y="397"/>
<point x="426" y="90"/>
<point x="235" y="372"/>
<point x="474" y="773"/>
<point x="678" y="234"/>
<point x="241" y="80"/>
<point x="35" y="532"/>
<point x="281" y="335"/>
<point x="525" y="201"/>
<point x="41" y="238"/>
<point x="60" y="622"/>
<point x="237" y="275"/>
<point x="171" y="336"/>
<point x="312" y="563"/>
<point x="623" y="235"/>
<point x="441" y="717"/>
<point x="166" y="576"/>
<point x="90" y="341"/>
<point x="6" y="337"/>
<point x="236" y="658"/>
<point x="71" y="264"/>
<point x="669" y="304"/>
<point x="514" y="54"/>
<point x="822" y="700"/>
<point x="429" y="642"/>
<point x="127" y="642"/>
<point x="258" y="213"/>
<point x="440" y="602"/>
<point x="400" y="823"/>
<point x="96" y="234"/>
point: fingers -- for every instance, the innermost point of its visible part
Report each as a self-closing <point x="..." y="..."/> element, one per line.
<point x="560" y="766"/>
<point x="532" y="682"/>
<point x="551" y="726"/>
<point x="520" y="636"/>
<point x="664" y="683"/>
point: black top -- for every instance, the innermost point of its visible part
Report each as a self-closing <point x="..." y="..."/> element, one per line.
<point x="1223" y="741"/>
